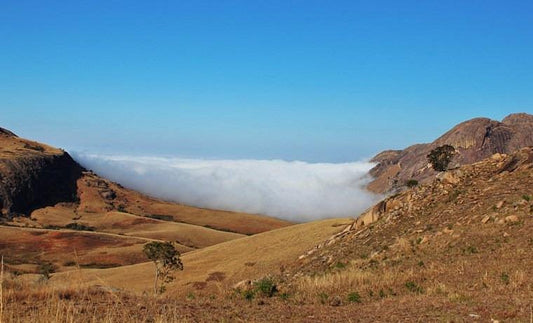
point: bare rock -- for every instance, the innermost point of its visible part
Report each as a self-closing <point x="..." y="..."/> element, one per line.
<point x="335" y="301"/>
<point x="512" y="219"/>
<point x="474" y="140"/>
<point x="243" y="285"/>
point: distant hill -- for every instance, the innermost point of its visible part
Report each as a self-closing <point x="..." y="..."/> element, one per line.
<point x="473" y="140"/>
<point x="54" y="210"/>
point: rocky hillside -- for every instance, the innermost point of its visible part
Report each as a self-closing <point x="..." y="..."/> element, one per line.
<point x="473" y="140"/>
<point x="34" y="175"/>
<point x="458" y="248"/>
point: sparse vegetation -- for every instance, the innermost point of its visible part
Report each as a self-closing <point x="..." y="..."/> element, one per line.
<point x="161" y="217"/>
<point x="411" y="183"/>
<point x="79" y="227"/>
<point x="526" y="197"/>
<point x="440" y="157"/>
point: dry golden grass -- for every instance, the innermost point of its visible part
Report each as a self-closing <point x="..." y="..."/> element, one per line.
<point x="192" y="236"/>
<point x="245" y="258"/>
<point x="25" y="249"/>
<point x="14" y="147"/>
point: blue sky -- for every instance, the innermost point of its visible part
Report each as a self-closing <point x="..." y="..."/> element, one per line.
<point x="309" y="80"/>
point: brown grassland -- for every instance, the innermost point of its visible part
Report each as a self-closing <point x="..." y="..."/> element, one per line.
<point x="459" y="248"/>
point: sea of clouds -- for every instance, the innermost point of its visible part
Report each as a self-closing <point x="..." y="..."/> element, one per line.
<point x="292" y="190"/>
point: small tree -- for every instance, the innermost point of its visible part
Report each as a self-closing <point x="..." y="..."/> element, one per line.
<point x="440" y="157"/>
<point x="166" y="260"/>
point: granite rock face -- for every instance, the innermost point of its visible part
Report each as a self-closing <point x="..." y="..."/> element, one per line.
<point x="33" y="175"/>
<point x="473" y="140"/>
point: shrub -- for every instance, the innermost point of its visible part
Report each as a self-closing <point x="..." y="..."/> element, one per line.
<point x="285" y="296"/>
<point x="354" y="297"/>
<point x="46" y="269"/>
<point x="505" y="278"/>
<point x="266" y="286"/>
<point x="413" y="287"/>
<point x="526" y="197"/>
<point x="470" y="250"/>
<point x="411" y="183"/>
<point x="323" y="297"/>
<point x="440" y="157"/>
<point x="340" y="265"/>
<point x="79" y="227"/>
<point x="249" y="294"/>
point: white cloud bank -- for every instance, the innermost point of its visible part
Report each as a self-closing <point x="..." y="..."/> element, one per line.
<point x="296" y="191"/>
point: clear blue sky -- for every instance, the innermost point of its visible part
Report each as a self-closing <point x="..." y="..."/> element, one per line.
<point x="309" y="80"/>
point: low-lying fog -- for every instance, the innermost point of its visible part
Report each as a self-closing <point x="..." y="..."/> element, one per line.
<point x="297" y="191"/>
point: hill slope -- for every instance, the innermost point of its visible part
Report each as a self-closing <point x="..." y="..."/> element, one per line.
<point x="459" y="245"/>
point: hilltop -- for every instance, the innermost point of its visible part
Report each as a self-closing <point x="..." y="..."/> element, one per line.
<point x="473" y="140"/>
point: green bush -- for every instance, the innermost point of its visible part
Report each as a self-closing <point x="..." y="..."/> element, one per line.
<point x="354" y="297"/>
<point x="79" y="227"/>
<point x="413" y="287"/>
<point x="505" y="278"/>
<point x="266" y="286"/>
<point x="323" y="297"/>
<point x="411" y="183"/>
<point x="46" y="269"/>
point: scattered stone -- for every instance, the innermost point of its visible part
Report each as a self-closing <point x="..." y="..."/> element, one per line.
<point x="500" y="204"/>
<point x="512" y="219"/>
<point x="505" y="235"/>
<point x="243" y="285"/>
<point x="108" y="194"/>
<point x="447" y="231"/>
<point x="497" y="157"/>
<point x="335" y="301"/>
<point x="450" y="177"/>
<point x="485" y="219"/>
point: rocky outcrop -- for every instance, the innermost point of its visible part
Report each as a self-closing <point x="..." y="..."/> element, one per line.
<point x="5" y="132"/>
<point x="474" y="140"/>
<point x="34" y="175"/>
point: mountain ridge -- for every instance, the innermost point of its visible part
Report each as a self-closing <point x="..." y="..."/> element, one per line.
<point x="473" y="140"/>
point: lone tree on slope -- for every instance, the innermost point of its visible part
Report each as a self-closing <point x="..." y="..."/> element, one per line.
<point x="440" y="157"/>
<point x="166" y="260"/>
